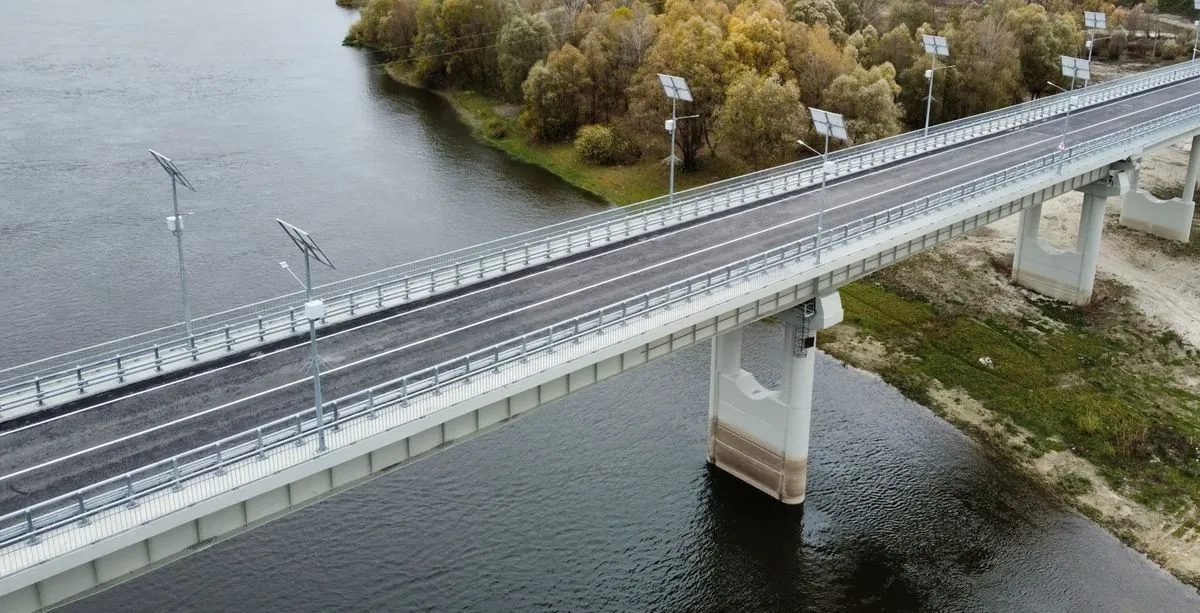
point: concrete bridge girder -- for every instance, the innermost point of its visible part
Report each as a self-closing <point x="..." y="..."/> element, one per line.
<point x="759" y="435"/>
<point x="1172" y="218"/>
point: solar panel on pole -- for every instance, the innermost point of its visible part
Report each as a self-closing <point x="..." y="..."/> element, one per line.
<point x="936" y="45"/>
<point x="1094" y="20"/>
<point x="1076" y="68"/>
<point x="829" y="124"/>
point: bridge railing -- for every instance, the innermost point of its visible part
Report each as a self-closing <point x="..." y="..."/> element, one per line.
<point x="215" y="468"/>
<point x="30" y="387"/>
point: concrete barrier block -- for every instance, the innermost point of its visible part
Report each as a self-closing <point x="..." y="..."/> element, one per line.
<point x="24" y="600"/>
<point x="658" y="348"/>
<point x="608" y="368"/>
<point x="222" y="522"/>
<point x="424" y="441"/>
<point x="310" y="487"/>
<point x="463" y="425"/>
<point x="553" y="390"/>
<point x="524" y="401"/>
<point x="581" y="378"/>
<point x="267" y="504"/>
<point x="122" y="562"/>
<point x="389" y="456"/>
<point x="633" y="357"/>
<point x="173" y="541"/>
<point x="493" y="414"/>
<point x="67" y="584"/>
<point x="351" y="471"/>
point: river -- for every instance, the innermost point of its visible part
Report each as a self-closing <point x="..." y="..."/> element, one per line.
<point x="599" y="502"/>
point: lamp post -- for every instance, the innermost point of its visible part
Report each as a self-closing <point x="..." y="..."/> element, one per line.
<point x="826" y="124"/>
<point x="175" y="224"/>
<point x="935" y="46"/>
<point x="676" y="89"/>
<point x="314" y="309"/>
<point x="1196" y="5"/>
<point x="1093" y="21"/>
<point x="1075" y="68"/>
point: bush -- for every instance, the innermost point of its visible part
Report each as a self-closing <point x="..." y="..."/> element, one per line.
<point x="599" y="145"/>
<point x="494" y="129"/>
<point x="1169" y="50"/>
<point x="1118" y="42"/>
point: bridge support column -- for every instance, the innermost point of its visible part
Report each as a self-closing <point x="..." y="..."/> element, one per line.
<point x="760" y="435"/>
<point x="1066" y="275"/>
<point x="1170" y="219"/>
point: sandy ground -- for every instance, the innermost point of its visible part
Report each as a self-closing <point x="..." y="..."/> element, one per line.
<point x="1165" y="285"/>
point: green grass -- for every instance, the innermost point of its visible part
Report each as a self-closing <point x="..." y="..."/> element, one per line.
<point x="1079" y="386"/>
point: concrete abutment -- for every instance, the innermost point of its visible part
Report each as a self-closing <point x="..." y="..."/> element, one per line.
<point x="759" y="435"/>
<point x="1170" y="219"/>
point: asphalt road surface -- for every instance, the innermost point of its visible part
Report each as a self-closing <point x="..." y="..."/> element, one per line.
<point x="276" y="384"/>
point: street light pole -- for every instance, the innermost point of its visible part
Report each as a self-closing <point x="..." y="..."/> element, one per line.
<point x="934" y="46"/>
<point x="175" y="224"/>
<point x="827" y="124"/>
<point x="676" y="89"/>
<point x="1093" y="20"/>
<point x="1075" y="68"/>
<point x="1196" y="40"/>
<point x="314" y="310"/>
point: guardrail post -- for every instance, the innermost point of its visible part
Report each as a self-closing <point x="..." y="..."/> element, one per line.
<point x="82" y="506"/>
<point x="371" y="403"/>
<point x="79" y="378"/>
<point x="292" y="318"/>
<point x="131" y="503"/>
<point x="176" y="481"/>
<point x="37" y="388"/>
<point x="600" y="324"/>
<point x="575" y="330"/>
<point x="524" y="348"/>
<point x="195" y="353"/>
<point x="457" y="274"/>
<point x="262" y="447"/>
<point x="33" y="539"/>
<point x="437" y="374"/>
<point x="120" y="369"/>
<point x="504" y="261"/>
<point x="261" y="336"/>
<point x="299" y="432"/>
<point x="646" y="306"/>
<point x="550" y="339"/>
<point x="496" y="360"/>
<point x="481" y="263"/>
<point x="336" y="426"/>
<point x="379" y="295"/>
<point x="527" y="254"/>
<point x="467" y="369"/>
<point x="157" y="359"/>
<point x="352" y="305"/>
<point x="228" y="340"/>
<point x="220" y="461"/>
<point x="404" y="392"/>
<point x="406" y="287"/>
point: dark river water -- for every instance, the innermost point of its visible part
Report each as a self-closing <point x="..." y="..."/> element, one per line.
<point x="600" y="502"/>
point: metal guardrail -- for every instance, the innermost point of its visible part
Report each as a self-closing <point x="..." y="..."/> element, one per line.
<point x="200" y="470"/>
<point x="27" y="391"/>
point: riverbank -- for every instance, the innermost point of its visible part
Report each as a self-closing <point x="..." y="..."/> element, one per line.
<point x="1098" y="403"/>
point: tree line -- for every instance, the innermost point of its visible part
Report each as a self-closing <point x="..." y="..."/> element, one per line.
<point x="587" y="69"/>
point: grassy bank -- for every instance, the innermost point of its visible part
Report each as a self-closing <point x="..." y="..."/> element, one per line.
<point x="498" y="125"/>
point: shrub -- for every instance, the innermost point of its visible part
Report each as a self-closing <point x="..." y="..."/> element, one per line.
<point x="494" y="129"/>
<point x="599" y="145"/>
<point x="1169" y="50"/>
<point x="1117" y="43"/>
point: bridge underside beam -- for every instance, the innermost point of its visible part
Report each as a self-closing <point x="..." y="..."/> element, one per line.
<point x="1170" y="219"/>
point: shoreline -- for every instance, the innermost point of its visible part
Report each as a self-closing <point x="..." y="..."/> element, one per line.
<point x="1165" y="528"/>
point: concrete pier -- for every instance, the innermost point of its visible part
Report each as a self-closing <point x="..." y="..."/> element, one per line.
<point x="761" y="435"/>
<point x="1070" y="274"/>
<point x="1170" y="219"/>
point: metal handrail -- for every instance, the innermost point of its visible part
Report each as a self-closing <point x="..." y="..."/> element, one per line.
<point x="515" y="356"/>
<point x="272" y="320"/>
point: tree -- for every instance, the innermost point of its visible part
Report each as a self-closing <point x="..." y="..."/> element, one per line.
<point x="1043" y="39"/>
<point x="469" y="29"/>
<point x="987" y="72"/>
<point x="386" y="25"/>
<point x="912" y="13"/>
<point x="818" y="13"/>
<point x="755" y="39"/>
<point x="867" y="98"/>
<point x="761" y="119"/>
<point x="815" y="60"/>
<point x="523" y="41"/>
<point x="553" y="93"/>
<point x="898" y="47"/>
<point x="690" y="49"/>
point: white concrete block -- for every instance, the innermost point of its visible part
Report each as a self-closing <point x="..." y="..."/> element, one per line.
<point x="552" y="390"/>
<point x="267" y="504"/>
<point x="463" y="425"/>
<point x="67" y="584"/>
<point x="122" y="562"/>
<point x="682" y="339"/>
<point x="610" y="367"/>
<point x="493" y="413"/>
<point x="424" y="441"/>
<point x="24" y="600"/>
<point x="633" y="357"/>
<point x="524" y="401"/>
<point x="389" y="455"/>
<point x="351" y="471"/>
<point x="310" y="487"/>
<point x="658" y="348"/>
<point x="581" y="378"/>
<point x="173" y="541"/>
<point x="224" y="521"/>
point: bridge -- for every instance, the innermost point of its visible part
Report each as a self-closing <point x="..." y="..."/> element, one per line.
<point x="104" y="478"/>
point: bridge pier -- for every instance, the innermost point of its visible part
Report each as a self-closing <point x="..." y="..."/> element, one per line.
<point x="1170" y="219"/>
<point x="1066" y="275"/>
<point x="760" y="435"/>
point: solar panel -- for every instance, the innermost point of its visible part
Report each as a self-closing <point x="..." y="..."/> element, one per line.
<point x="937" y="45"/>
<point x="829" y="124"/>
<point x="675" y="87"/>
<point x="173" y="170"/>
<point x="1076" y="68"/>
<point x="1096" y="21"/>
<point x="305" y="242"/>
